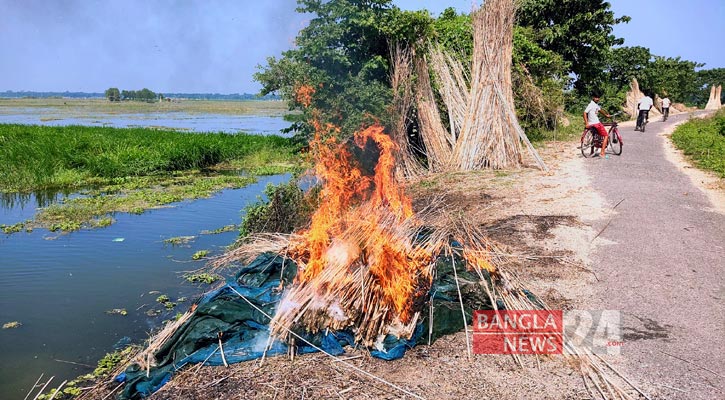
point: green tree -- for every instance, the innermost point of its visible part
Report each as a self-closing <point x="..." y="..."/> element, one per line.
<point x="578" y="30"/>
<point x="625" y="63"/>
<point x="344" y="55"/>
<point x="113" y="94"/>
<point x="674" y="77"/>
<point x="145" y="95"/>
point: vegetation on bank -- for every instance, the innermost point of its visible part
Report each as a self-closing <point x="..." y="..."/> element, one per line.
<point x="703" y="140"/>
<point x="134" y="195"/>
<point x="128" y="170"/>
<point x="105" y="367"/>
<point x="46" y="157"/>
<point x="286" y="209"/>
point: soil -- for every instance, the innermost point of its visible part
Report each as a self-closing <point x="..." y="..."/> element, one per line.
<point x="549" y="222"/>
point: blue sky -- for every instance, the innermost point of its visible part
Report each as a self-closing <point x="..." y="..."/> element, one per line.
<point x="215" y="46"/>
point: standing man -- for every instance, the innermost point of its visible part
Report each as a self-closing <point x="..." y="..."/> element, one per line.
<point x="665" y="104"/>
<point x="591" y="120"/>
<point x="644" y="105"/>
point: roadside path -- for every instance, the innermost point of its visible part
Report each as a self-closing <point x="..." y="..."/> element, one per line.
<point x="660" y="261"/>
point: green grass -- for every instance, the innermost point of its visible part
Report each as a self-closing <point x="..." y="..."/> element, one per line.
<point x="42" y="157"/>
<point x="561" y="133"/>
<point x="703" y="141"/>
<point x="131" y="196"/>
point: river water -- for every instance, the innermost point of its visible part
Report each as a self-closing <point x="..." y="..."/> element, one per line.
<point x="252" y="124"/>
<point x="60" y="286"/>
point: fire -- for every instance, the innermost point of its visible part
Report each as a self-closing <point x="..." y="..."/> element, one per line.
<point x="361" y="263"/>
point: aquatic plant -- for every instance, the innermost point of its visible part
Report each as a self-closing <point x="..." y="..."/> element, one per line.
<point x="12" y="325"/>
<point x="200" y="254"/>
<point x="202" y="277"/>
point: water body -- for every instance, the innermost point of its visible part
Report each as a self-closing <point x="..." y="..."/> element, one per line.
<point x="59" y="286"/>
<point x="252" y="124"/>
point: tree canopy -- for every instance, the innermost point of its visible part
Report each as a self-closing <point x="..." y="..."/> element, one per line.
<point x="578" y="30"/>
<point x="344" y="55"/>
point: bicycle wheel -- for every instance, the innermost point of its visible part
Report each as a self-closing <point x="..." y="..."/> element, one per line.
<point x="587" y="145"/>
<point x="615" y="142"/>
<point x="644" y="125"/>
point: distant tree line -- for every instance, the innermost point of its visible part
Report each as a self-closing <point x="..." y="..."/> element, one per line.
<point x="9" y="94"/>
<point x="114" y="94"/>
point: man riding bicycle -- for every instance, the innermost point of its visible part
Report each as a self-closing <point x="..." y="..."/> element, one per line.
<point x="644" y="105"/>
<point x="591" y="120"/>
<point x="665" y="104"/>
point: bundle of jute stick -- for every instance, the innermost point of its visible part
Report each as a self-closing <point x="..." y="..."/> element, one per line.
<point x="483" y="129"/>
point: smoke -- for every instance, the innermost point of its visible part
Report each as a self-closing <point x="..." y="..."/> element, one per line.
<point x="167" y="46"/>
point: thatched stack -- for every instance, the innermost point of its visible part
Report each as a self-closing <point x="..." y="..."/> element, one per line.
<point x="483" y="130"/>
<point x="714" y="102"/>
<point x="402" y="62"/>
<point x="633" y="97"/>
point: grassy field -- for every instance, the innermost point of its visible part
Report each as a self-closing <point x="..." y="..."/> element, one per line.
<point x="128" y="170"/>
<point x="569" y="130"/>
<point x="84" y="107"/>
<point x="703" y="140"/>
<point x="43" y="157"/>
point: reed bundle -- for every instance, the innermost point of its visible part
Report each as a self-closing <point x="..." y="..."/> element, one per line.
<point x="484" y="131"/>
<point x="401" y="82"/>
<point x="437" y="142"/>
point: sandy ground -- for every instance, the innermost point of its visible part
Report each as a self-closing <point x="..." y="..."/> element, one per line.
<point x="555" y="224"/>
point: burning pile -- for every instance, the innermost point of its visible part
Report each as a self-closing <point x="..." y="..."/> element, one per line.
<point x="364" y="263"/>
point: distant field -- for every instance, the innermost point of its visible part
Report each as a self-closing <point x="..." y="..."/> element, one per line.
<point x="75" y="107"/>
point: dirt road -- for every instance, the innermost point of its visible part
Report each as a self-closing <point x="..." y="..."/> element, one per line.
<point x="660" y="261"/>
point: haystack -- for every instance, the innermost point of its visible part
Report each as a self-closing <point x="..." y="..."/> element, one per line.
<point x="483" y="131"/>
<point x="633" y="97"/>
<point x="714" y="102"/>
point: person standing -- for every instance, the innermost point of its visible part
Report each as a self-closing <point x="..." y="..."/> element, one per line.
<point x="591" y="120"/>
<point x="643" y="107"/>
<point x="665" y="104"/>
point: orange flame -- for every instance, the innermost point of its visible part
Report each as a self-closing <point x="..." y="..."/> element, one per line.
<point x="356" y="223"/>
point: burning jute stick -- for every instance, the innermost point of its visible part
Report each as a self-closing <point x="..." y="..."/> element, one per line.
<point x="342" y="361"/>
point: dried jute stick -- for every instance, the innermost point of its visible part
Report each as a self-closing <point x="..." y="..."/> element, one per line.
<point x="347" y="364"/>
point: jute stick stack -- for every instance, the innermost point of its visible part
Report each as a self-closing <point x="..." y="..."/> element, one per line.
<point x="483" y="129"/>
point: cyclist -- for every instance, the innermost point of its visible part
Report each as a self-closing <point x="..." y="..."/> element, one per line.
<point x="591" y="120"/>
<point x="665" y="104"/>
<point x="644" y="105"/>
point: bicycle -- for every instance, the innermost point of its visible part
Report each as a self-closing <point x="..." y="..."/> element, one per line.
<point x="591" y="140"/>
<point x="644" y="123"/>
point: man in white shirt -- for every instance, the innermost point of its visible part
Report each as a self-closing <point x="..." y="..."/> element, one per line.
<point x="591" y="120"/>
<point x="644" y="105"/>
<point x="665" y="104"/>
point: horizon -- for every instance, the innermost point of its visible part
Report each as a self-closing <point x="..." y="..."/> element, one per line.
<point x="199" y="48"/>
